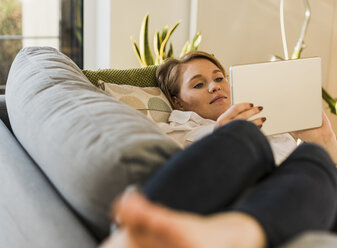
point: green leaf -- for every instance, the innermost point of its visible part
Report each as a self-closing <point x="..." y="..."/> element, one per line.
<point x="164" y="33"/>
<point x="196" y="42"/>
<point x="163" y="45"/>
<point x="144" y="45"/>
<point x="184" y="50"/>
<point x="156" y="43"/>
<point x="170" y="52"/>
<point x="331" y="102"/>
<point x="296" y="54"/>
<point x="136" y="49"/>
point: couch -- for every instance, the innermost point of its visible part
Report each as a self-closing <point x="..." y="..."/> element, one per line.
<point x="67" y="150"/>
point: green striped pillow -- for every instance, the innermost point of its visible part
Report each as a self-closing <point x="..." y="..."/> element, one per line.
<point x="141" y="77"/>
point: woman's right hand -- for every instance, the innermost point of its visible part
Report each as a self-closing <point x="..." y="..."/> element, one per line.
<point x="241" y="111"/>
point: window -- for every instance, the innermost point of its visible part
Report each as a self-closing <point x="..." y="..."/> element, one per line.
<point x="55" y="23"/>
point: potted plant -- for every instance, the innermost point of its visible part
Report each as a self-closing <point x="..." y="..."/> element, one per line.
<point x="160" y="42"/>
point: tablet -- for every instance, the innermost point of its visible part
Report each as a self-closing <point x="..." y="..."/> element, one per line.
<point x="289" y="91"/>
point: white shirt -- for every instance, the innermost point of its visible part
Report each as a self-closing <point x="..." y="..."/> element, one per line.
<point x="185" y="127"/>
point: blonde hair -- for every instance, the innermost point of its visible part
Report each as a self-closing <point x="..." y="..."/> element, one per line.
<point x="168" y="74"/>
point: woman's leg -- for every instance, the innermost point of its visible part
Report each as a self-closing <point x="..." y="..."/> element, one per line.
<point x="211" y="173"/>
<point x="299" y="195"/>
<point x="148" y="225"/>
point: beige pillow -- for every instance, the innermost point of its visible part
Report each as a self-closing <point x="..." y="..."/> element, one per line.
<point x="150" y="101"/>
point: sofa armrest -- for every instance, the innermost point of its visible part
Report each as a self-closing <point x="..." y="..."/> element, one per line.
<point x="32" y="213"/>
<point x="3" y="112"/>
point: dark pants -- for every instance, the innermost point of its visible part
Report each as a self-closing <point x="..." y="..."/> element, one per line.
<point x="233" y="169"/>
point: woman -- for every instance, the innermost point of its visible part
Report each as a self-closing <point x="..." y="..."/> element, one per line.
<point x="227" y="180"/>
<point x="199" y="78"/>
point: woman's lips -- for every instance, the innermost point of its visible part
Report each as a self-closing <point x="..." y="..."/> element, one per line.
<point x="218" y="98"/>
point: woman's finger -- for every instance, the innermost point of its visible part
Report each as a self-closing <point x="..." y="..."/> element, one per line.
<point x="240" y="111"/>
<point x="259" y="121"/>
<point x="232" y="112"/>
<point x="237" y="109"/>
<point x="249" y="113"/>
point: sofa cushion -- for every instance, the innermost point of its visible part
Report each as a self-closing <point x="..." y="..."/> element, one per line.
<point x="150" y="101"/>
<point x="90" y="145"/>
<point x="32" y="214"/>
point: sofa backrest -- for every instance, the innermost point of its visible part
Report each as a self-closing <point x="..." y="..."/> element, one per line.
<point x="90" y="145"/>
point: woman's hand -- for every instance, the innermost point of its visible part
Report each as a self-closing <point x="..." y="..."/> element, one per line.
<point x="242" y="111"/>
<point x="323" y="136"/>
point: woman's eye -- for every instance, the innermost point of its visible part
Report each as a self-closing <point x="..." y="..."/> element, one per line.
<point x="197" y="86"/>
<point x="219" y="79"/>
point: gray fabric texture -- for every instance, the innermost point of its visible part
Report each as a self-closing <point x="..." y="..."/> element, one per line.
<point x="3" y="111"/>
<point x="90" y="145"/>
<point x="314" y="239"/>
<point x="32" y="214"/>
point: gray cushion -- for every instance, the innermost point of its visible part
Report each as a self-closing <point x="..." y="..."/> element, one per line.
<point x="32" y="214"/>
<point x="89" y="144"/>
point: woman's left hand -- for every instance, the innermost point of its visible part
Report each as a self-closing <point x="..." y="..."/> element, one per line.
<point x="318" y="135"/>
<point x="323" y="135"/>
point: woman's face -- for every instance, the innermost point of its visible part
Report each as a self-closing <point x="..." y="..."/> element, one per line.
<point x="204" y="89"/>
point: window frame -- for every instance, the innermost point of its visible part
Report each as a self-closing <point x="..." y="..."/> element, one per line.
<point x="70" y="33"/>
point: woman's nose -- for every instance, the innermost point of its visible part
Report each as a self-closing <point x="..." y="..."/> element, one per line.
<point x="214" y="87"/>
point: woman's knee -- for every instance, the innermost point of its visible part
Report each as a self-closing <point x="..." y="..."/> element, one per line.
<point x="242" y="129"/>
<point x="315" y="155"/>
<point x="248" y="133"/>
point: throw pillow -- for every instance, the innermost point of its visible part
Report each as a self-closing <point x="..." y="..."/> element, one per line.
<point x="150" y="101"/>
<point x="142" y="77"/>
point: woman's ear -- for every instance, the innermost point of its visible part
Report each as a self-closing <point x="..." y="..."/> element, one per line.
<point x="177" y="103"/>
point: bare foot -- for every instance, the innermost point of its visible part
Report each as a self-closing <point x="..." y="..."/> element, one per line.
<point x="149" y="225"/>
<point x="120" y="239"/>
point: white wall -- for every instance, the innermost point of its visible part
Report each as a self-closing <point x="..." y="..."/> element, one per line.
<point x="332" y="76"/>
<point x="247" y="31"/>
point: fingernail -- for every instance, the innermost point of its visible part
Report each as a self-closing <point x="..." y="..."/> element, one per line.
<point x="260" y="108"/>
<point x="131" y="189"/>
<point x="263" y="119"/>
<point x="128" y="192"/>
<point x="252" y="105"/>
